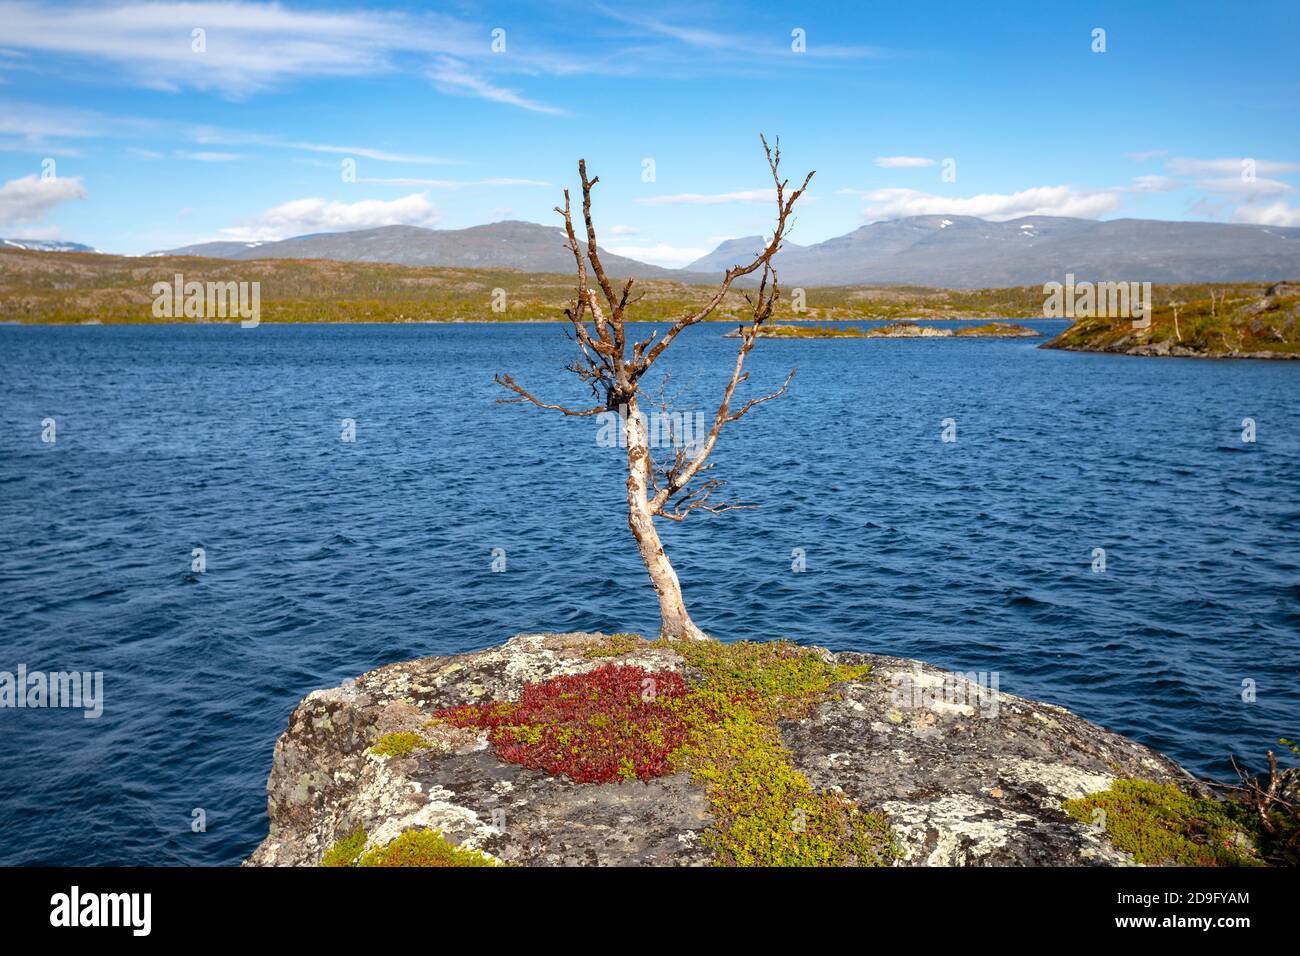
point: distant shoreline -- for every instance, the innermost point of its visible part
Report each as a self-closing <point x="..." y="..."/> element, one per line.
<point x="555" y="321"/>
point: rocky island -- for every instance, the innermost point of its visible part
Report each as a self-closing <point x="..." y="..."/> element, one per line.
<point x="894" y="330"/>
<point x="1232" y="323"/>
<point x="586" y="749"/>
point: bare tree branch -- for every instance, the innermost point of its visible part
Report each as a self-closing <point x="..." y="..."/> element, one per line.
<point x="675" y="486"/>
<point x="507" y="382"/>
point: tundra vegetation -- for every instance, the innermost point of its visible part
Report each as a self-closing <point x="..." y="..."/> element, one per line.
<point x="1200" y="321"/>
<point x="620" y="722"/>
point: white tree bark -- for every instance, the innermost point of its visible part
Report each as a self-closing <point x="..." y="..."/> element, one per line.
<point x="674" y="621"/>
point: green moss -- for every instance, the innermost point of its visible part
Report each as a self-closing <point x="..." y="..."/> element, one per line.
<point x="616" y="645"/>
<point x="398" y="744"/>
<point x="1159" y="824"/>
<point x="424" y="848"/>
<point x="412" y="848"/>
<point x="346" y="850"/>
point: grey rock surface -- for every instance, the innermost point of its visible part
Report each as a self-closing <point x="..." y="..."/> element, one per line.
<point x="966" y="775"/>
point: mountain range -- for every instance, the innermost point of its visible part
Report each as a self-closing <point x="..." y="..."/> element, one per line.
<point x="46" y="245"/>
<point x="511" y="244"/>
<point x="952" y="251"/>
<point x="964" y="252"/>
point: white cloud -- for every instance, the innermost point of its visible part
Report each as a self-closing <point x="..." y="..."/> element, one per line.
<point x="1146" y="154"/>
<point x="453" y="76"/>
<point x="1039" y="201"/>
<point x="302" y="216"/>
<point x="208" y="135"/>
<point x="253" y="46"/>
<point x="1235" y="185"/>
<point x="27" y="127"/>
<point x="660" y="254"/>
<point x="454" y="183"/>
<point x="29" y="199"/>
<point x="622" y="230"/>
<point x="249" y="46"/>
<point x="36" y="127"/>
<point x="41" y="232"/>
<point x="711" y="199"/>
<point x="1184" y="166"/>
<point x="1152" y="184"/>
<point x="204" y="156"/>
<point x="902" y="162"/>
<point x="1274" y="214"/>
<point x="730" y="42"/>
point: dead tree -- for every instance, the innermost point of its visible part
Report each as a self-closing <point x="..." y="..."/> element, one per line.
<point x="676" y="484"/>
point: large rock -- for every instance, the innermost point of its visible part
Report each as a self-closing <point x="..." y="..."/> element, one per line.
<point x="965" y="775"/>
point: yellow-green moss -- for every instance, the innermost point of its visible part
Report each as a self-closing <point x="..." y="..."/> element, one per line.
<point x="411" y="848"/>
<point x="346" y="850"/>
<point x="424" y="848"/>
<point x="398" y="744"/>
<point x="616" y="645"/>
<point x="765" y="812"/>
<point x="1159" y="824"/>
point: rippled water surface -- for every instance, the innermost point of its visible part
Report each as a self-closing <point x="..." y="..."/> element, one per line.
<point x="326" y="559"/>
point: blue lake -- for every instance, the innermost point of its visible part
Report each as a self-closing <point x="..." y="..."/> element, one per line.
<point x="327" y="558"/>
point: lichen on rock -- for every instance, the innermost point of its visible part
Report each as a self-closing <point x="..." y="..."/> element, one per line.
<point x="548" y="750"/>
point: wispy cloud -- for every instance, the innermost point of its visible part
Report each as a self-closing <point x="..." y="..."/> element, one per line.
<point x="39" y="127"/>
<point x="227" y="137"/>
<point x="1184" y="166"/>
<point x="238" y="48"/>
<point x="204" y="156"/>
<point x="29" y="127"/>
<point x="742" y="43"/>
<point x="711" y="199"/>
<point x="1236" y="186"/>
<point x="1152" y="184"/>
<point x="452" y="183"/>
<point x="902" y="162"/>
<point x="453" y="76"/>
<point x="1143" y="155"/>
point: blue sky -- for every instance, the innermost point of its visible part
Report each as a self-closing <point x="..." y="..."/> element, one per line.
<point x="153" y="143"/>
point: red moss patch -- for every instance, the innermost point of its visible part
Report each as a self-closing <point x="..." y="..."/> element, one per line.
<point x="613" y="723"/>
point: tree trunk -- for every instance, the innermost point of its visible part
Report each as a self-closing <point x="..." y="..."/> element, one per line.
<point x="674" y="621"/>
